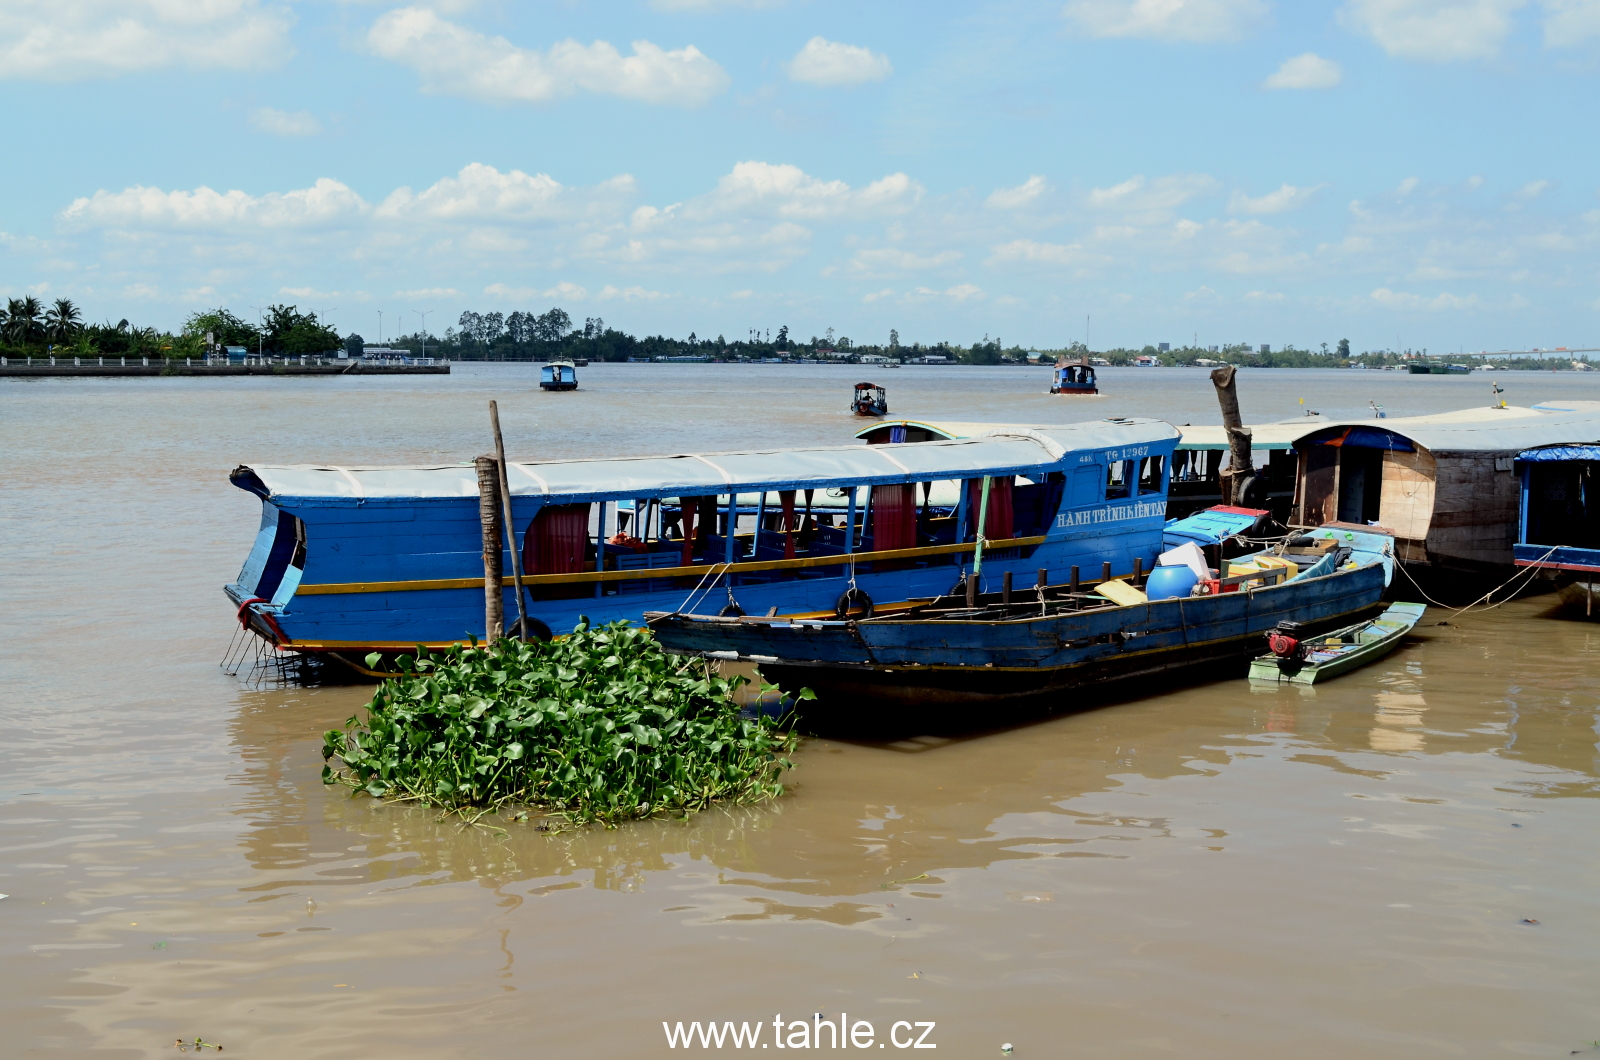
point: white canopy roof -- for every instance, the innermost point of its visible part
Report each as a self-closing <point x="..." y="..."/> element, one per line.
<point x="1008" y="451"/>
<point x="1489" y="429"/>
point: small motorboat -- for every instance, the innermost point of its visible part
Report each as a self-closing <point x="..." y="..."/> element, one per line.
<point x="1074" y="378"/>
<point x="558" y="375"/>
<point x="869" y="400"/>
<point x="1298" y="661"/>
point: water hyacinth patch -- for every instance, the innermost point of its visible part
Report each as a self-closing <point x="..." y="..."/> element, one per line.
<point x="599" y="726"/>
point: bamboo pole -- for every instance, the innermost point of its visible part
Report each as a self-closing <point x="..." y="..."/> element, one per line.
<point x="511" y="530"/>
<point x="494" y="603"/>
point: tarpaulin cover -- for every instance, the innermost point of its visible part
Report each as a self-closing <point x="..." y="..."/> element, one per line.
<point x="1209" y="527"/>
<point x="1556" y="453"/>
<point x="1370" y="438"/>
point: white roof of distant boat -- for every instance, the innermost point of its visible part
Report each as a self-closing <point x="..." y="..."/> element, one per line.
<point x="1007" y="451"/>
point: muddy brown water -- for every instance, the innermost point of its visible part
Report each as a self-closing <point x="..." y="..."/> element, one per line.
<point x="1205" y="871"/>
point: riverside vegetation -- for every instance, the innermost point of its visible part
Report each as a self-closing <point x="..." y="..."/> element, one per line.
<point x="599" y="726"/>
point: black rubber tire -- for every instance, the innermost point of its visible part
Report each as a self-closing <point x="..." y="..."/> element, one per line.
<point x="1252" y="492"/>
<point x="853" y="598"/>
<point x="731" y="610"/>
<point x="530" y="628"/>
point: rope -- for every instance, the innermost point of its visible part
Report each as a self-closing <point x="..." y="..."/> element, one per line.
<point x="1526" y="572"/>
<point x="713" y="574"/>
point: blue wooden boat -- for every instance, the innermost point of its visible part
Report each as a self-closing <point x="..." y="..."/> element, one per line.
<point x="1043" y="641"/>
<point x="1558" y="526"/>
<point x="355" y="559"/>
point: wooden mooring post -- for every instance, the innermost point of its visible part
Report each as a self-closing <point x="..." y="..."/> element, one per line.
<point x="1240" y="465"/>
<point x="494" y="601"/>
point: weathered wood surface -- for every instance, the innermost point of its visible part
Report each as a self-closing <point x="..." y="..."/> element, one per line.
<point x="1475" y="510"/>
<point x="1406" y="504"/>
<point x="494" y="601"/>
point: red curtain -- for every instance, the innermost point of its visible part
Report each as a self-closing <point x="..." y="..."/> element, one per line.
<point x="558" y="540"/>
<point x="1000" y="523"/>
<point x="894" y="517"/>
<point x="786" y="498"/>
<point x="686" y="508"/>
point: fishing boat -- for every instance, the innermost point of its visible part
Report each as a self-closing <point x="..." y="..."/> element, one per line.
<point x="1558" y="529"/>
<point x="1298" y="660"/>
<point x="869" y="399"/>
<point x="1046" y="640"/>
<point x="558" y="375"/>
<point x="1074" y="378"/>
<point x="357" y="559"/>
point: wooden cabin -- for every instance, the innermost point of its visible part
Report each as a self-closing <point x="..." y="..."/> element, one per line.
<point x="1446" y="484"/>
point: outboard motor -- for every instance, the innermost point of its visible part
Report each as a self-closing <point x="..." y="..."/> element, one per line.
<point x="1284" y="641"/>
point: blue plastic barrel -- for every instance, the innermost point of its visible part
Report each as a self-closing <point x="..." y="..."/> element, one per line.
<point x="1165" y="583"/>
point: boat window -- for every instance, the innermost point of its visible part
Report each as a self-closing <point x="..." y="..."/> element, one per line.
<point x="1150" y="472"/>
<point x="1118" y="474"/>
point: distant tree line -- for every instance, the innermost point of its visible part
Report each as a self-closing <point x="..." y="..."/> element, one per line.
<point x="28" y="328"/>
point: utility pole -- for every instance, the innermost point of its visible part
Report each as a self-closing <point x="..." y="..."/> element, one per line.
<point x="423" y="313"/>
<point x="261" y="333"/>
<point x="380" y="327"/>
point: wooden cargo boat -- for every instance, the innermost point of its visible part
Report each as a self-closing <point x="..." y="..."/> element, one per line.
<point x="1305" y="661"/>
<point x="1074" y="378"/>
<point x="1040" y="643"/>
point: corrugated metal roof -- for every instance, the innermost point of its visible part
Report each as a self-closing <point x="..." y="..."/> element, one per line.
<point x="1496" y="430"/>
<point x="1007" y="451"/>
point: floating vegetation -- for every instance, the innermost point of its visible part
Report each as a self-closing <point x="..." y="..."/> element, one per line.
<point x="600" y="726"/>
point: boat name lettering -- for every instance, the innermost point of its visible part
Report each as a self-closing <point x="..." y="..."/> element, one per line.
<point x="1110" y="514"/>
<point x="1132" y="452"/>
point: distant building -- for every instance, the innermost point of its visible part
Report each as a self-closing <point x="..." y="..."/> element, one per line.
<point x="1266" y="347"/>
<point x="875" y="358"/>
<point x="1164" y="346"/>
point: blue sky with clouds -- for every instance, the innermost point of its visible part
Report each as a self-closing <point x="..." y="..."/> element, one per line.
<point x="1411" y="171"/>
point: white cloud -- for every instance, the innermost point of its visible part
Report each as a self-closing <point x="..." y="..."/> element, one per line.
<point x="964" y="292"/>
<point x="1018" y="197"/>
<point x="1288" y="197"/>
<point x="873" y="296"/>
<point x="1570" y="23"/>
<point x="635" y="294"/>
<point x="835" y="65"/>
<point x="569" y="291"/>
<point x="1163" y="193"/>
<point x="1533" y="189"/>
<point x="1433" y="30"/>
<point x="483" y="192"/>
<point x="1305" y="71"/>
<point x="430" y="292"/>
<point x="1169" y="20"/>
<point x="1403" y="300"/>
<point x="282" y="123"/>
<point x="1029" y="252"/>
<point x="328" y="202"/>
<point x="75" y="40"/>
<point x="702" y="6"/>
<point x="455" y="60"/>
<point x="787" y="191"/>
<point x="889" y="259"/>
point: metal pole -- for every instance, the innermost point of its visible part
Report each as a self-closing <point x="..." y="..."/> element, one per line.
<point x="511" y="530"/>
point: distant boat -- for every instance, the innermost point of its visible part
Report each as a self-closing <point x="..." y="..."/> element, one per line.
<point x="869" y="400"/>
<point x="1305" y="662"/>
<point x="558" y="375"/>
<point x="1074" y="378"/>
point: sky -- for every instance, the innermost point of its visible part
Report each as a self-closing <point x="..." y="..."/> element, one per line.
<point x="1401" y="173"/>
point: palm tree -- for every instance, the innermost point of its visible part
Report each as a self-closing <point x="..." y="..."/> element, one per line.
<point x="63" y="321"/>
<point x="22" y="319"/>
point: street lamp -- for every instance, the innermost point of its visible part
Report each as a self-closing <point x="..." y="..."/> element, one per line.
<point x="423" y="313"/>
